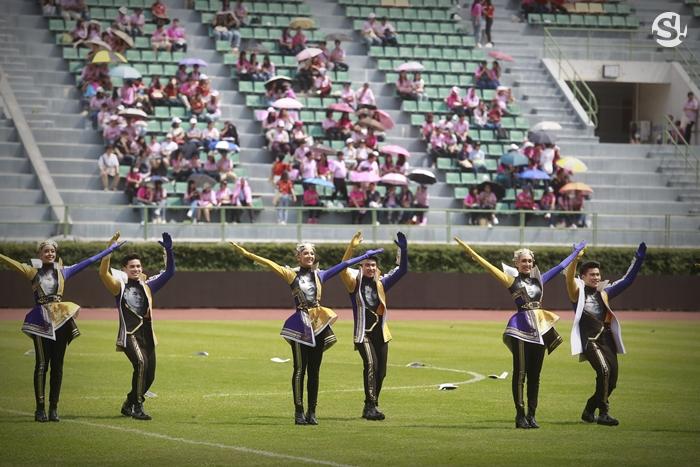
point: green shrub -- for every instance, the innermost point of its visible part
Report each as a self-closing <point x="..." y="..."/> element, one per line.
<point x="423" y="258"/>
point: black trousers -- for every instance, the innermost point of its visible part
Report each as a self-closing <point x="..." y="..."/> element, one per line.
<point x="527" y="366"/>
<point x="341" y="189"/>
<point x="489" y="25"/>
<point x="307" y="361"/>
<point x="50" y="354"/>
<point x="374" y="352"/>
<point x="141" y="352"/>
<point x="602" y="355"/>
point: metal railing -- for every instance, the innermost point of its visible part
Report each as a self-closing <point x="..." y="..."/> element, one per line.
<point x="524" y="227"/>
<point x="682" y="149"/>
<point x="627" y="44"/>
<point x="581" y="91"/>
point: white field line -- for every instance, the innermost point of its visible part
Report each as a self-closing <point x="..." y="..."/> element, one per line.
<point x="177" y="439"/>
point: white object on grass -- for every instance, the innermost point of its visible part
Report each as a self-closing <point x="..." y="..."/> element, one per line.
<point x="503" y="375"/>
<point x="279" y="360"/>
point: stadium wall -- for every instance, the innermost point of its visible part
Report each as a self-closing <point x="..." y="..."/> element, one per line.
<point x="247" y="289"/>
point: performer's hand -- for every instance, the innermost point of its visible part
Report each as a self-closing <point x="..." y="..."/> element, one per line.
<point x="401" y="241"/>
<point x="167" y="241"/>
<point x="117" y="245"/>
<point x="239" y="248"/>
<point x="356" y="240"/>
<point x="369" y="253"/>
<point x="641" y="250"/>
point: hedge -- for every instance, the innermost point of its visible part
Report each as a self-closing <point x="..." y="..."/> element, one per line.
<point x="423" y="258"/>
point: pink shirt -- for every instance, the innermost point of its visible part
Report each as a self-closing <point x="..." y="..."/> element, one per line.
<point x="175" y="32"/>
<point x="365" y="97"/>
<point x="338" y="168"/>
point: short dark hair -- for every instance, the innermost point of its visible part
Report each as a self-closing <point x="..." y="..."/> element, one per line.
<point x="372" y="258"/>
<point x="589" y="265"/>
<point x="129" y="257"/>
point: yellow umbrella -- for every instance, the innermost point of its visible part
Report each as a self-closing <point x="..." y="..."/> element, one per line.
<point x="573" y="164"/>
<point x="301" y="22"/>
<point x="108" y="56"/>
<point x="576" y="186"/>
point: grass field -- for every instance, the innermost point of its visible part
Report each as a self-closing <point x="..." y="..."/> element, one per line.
<point x="234" y="406"/>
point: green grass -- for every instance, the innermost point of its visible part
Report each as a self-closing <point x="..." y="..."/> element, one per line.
<point x="236" y="398"/>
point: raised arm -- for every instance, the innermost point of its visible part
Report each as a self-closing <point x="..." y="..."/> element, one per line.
<point x="155" y="283"/>
<point x="329" y="273"/>
<point x="391" y="278"/>
<point x="71" y="270"/>
<point x="499" y="275"/>
<point x="621" y="284"/>
<point x="571" y="286"/>
<point x="345" y="275"/>
<point x="560" y="267"/>
<point x="285" y="273"/>
<point x="26" y="270"/>
<point x="109" y="281"/>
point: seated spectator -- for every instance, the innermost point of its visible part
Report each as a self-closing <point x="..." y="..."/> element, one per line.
<point x="546" y="162"/>
<point x="156" y="92"/>
<point x="267" y="69"/>
<point x="159" y="40"/>
<point x="226" y="27"/>
<point x="187" y="91"/>
<point x="453" y="101"/>
<point x="209" y="167"/>
<point x="298" y="41"/>
<point x="322" y="84"/>
<point x="108" y="163"/>
<point x="344" y="126"/>
<point x="494" y="117"/>
<point x="350" y="153"/>
<point x="524" y="199"/>
<point x="191" y="199"/>
<point x="177" y="132"/>
<point x="579" y="220"/>
<point x="428" y="127"/>
<point x="48" y="7"/>
<point x="548" y="202"/>
<point x="229" y="132"/>
<point x="471" y="201"/>
<point x="121" y="21"/>
<point x="242" y="197"/>
<point x="305" y="76"/>
<point x="418" y="85"/>
<point x="137" y="22"/>
<point x="153" y="197"/>
<point x="337" y="57"/>
<point x="357" y="199"/>
<point x="370" y="164"/>
<point x="182" y="75"/>
<point x="241" y="12"/>
<point x="504" y="96"/>
<point x="132" y="182"/>
<point x="312" y="200"/>
<point x="487" y="200"/>
<point x="388" y="166"/>
<point x="73" y="9"/>
<point x="369" y="31"/>
<point x="365" y="97"/>
<point x="460" y="129"/>
<point x="284" y="43"/>
<point x="470" y="101"/>
<point x="224" y="200"/>
<point x="79" y="34"/>
<point x="112" y="131"/>
<point x="477" y="158"/>
<point x="171" y="93"/>
<point x="386" y="32"/>
<point x="212" y="111"/>
<point x="391" y="202"/>
<point x="329" y="126"/>
<point x="347" y="95"/>
<point x="224" y="165"/>
<point x="404" y="87"/>
<point x="181" y="166"/>
<point x="159" y="12"/>
<point x="206" y="201"/>
<point x="177" y="36"/>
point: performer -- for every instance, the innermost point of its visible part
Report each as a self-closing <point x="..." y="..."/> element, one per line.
<point x="308" y="329"/>
<point x="367" y="289"/>
<point x="596" y="335"/>
<point x="50" y="324"/>
<point x="531" y="329"/>
<point x="134" y="292"/>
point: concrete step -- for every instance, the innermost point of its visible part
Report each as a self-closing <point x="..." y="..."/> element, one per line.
<point x="20" y="196"/>
<point x="17" y="180"/>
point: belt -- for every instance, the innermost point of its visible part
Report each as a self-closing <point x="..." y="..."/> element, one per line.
<point x="49" y="299"/>
<point x="305" y="308"/>
<point x="531" y="306"/>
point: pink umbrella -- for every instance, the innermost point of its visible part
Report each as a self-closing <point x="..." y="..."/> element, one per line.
<point x="287" y="103"/>
<point x="410" y="66"/>
<point x="385" y="119"/>
<point x="501" y="56"/>
<point x="394" y="179"/>
<point x="395" y="150"/>
<point x="364" y="177"/>
<point x="341" y="107"/>
<point x="307" y="53"/>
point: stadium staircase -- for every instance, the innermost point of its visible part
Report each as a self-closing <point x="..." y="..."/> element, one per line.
<point x="626" y="179"/>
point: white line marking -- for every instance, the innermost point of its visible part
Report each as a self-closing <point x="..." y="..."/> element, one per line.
<point x="176" y="439"/>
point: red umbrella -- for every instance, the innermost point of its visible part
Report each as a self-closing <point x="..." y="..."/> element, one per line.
<point x="341" y="107"/>
<point x="385" y="119"/>
<point x="395" y="150"/>
<point x="501" y="56"/>
<point x="394" y="179"/>
<point x="364" y="177"/>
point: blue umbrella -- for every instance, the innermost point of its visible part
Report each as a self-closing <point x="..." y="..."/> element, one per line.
<point x="215" y="145"/>
<point x="534" y="174"/>
<point x="192" y="61"/>
<point x="124" y="72"/>
<point x="319" y="181"/>
<point x="514" y="158"/>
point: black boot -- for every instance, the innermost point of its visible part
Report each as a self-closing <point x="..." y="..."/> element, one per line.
<point x="371" y="413"/>
<point x="53" y="414"/>
<point x="40" y="414"/>
<point x="531" y="419"/>
<point x="311" y="416"/>
<point x="299" y="418"/>
<point x="138" y="413"/>
<point x="127" y="408"/>
<point x="521" y="420"/>
<point x="606" y="419"/>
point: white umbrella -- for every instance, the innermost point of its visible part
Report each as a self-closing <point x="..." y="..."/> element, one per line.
<point x="410" y="66"/>
<point x="546" y="126"/>
<point x="287" y="103"/>
<point x="307" y="53"/>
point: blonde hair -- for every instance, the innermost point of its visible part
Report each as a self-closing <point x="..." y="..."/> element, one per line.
<point x="47" y="242"/>
<point x="301" y="247"/>
<point x="523" y="251"/>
